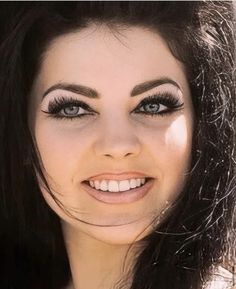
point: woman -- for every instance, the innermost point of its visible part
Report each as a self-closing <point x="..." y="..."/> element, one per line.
<point x="117" y="145"/>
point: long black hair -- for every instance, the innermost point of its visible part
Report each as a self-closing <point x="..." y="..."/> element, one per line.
<point x="198" y="234"/>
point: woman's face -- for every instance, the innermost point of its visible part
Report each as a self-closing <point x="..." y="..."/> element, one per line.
<point x="112" y="110"/>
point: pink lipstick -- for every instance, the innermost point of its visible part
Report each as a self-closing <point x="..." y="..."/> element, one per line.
<point x="116" y="189"/>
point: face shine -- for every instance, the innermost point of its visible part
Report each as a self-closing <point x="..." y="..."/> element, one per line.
<point x="113" y="141"/>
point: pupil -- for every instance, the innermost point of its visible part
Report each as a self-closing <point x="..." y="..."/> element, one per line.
<point x="71" y="110"/>
<point x="153" y="107"/>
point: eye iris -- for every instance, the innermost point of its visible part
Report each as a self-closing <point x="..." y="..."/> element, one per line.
<point x="71" y="110"/>
<point x="152" y="107"/>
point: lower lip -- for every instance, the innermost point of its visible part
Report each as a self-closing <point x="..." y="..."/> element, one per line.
<point x="125" y="197"/>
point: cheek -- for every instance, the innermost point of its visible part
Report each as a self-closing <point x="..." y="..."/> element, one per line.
<point x="178" y="143"/>
<point x="178" y="136"/>
<point x="171" y="149"/>
<point x="173" y="139"/>
<point x="61" y="149"/>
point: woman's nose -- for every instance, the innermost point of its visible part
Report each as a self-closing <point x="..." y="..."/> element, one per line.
<point x="116" y="140"/>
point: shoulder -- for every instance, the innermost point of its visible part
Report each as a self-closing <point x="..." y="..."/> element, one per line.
<point x="221" y="279"/>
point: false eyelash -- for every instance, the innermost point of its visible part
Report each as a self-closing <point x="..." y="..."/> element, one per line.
<point x="56" y="105"/>
<point x="165" y="98"/>
<point x="62" y="102"/>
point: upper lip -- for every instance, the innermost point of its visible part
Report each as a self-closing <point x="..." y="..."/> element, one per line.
<point x="118" y="176"/>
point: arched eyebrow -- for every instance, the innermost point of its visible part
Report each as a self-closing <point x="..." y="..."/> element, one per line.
<point x="92" y="93"/>
<point x="145" y="86"/>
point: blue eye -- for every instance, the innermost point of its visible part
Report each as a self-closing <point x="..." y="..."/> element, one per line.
<point x="72" y="111"/>
<point x="159" y="105"/>
<point x="68" y="108"/>
<point x="151" y="107"/>
<point x="155" y="105"/>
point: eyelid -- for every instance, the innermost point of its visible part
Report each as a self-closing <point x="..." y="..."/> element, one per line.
<point x="65" y="101"/>
<point x="168" y="99"/>
<point x="58" y="104"/>
<point x="165" y="98"/>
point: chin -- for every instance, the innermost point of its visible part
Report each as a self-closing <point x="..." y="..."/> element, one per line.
<point x="116" y="235"/>
<point x="120" y="238"/>
<point x="119" y="231"/>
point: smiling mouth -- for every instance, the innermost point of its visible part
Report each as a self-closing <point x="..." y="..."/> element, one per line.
<point x="116" y="192"/>
<point x="115" y="186"/>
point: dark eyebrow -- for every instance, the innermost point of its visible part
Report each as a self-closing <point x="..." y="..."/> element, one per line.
<point x="76" y="88"/>
<point x="145" y="86"/>
<point x="92" y="93"/>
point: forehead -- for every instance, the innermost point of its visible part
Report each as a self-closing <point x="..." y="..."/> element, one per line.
<point x="96" y="56"/>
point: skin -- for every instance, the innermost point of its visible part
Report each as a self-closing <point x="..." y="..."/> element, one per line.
<point x="112" y="139"/>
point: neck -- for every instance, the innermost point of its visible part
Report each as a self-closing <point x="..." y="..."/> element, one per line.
<point x="95" y="264"/>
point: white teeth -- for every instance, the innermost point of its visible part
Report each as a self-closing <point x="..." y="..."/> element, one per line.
<point x="117" y="186"/>
<point x="97" y="185"/>
<point x="91" y="183"/>
<point x="124" y="185"/>
<point x="103" y="185"/>
<point x="133" y="183"/>
<point x="138" y="182"/>
<point x="113" y="186"/>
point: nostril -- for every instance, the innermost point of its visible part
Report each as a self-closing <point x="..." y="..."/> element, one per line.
<point x="116" y="146"/>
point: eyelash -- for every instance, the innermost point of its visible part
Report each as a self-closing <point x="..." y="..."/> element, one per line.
<point x="166" y="99"/>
